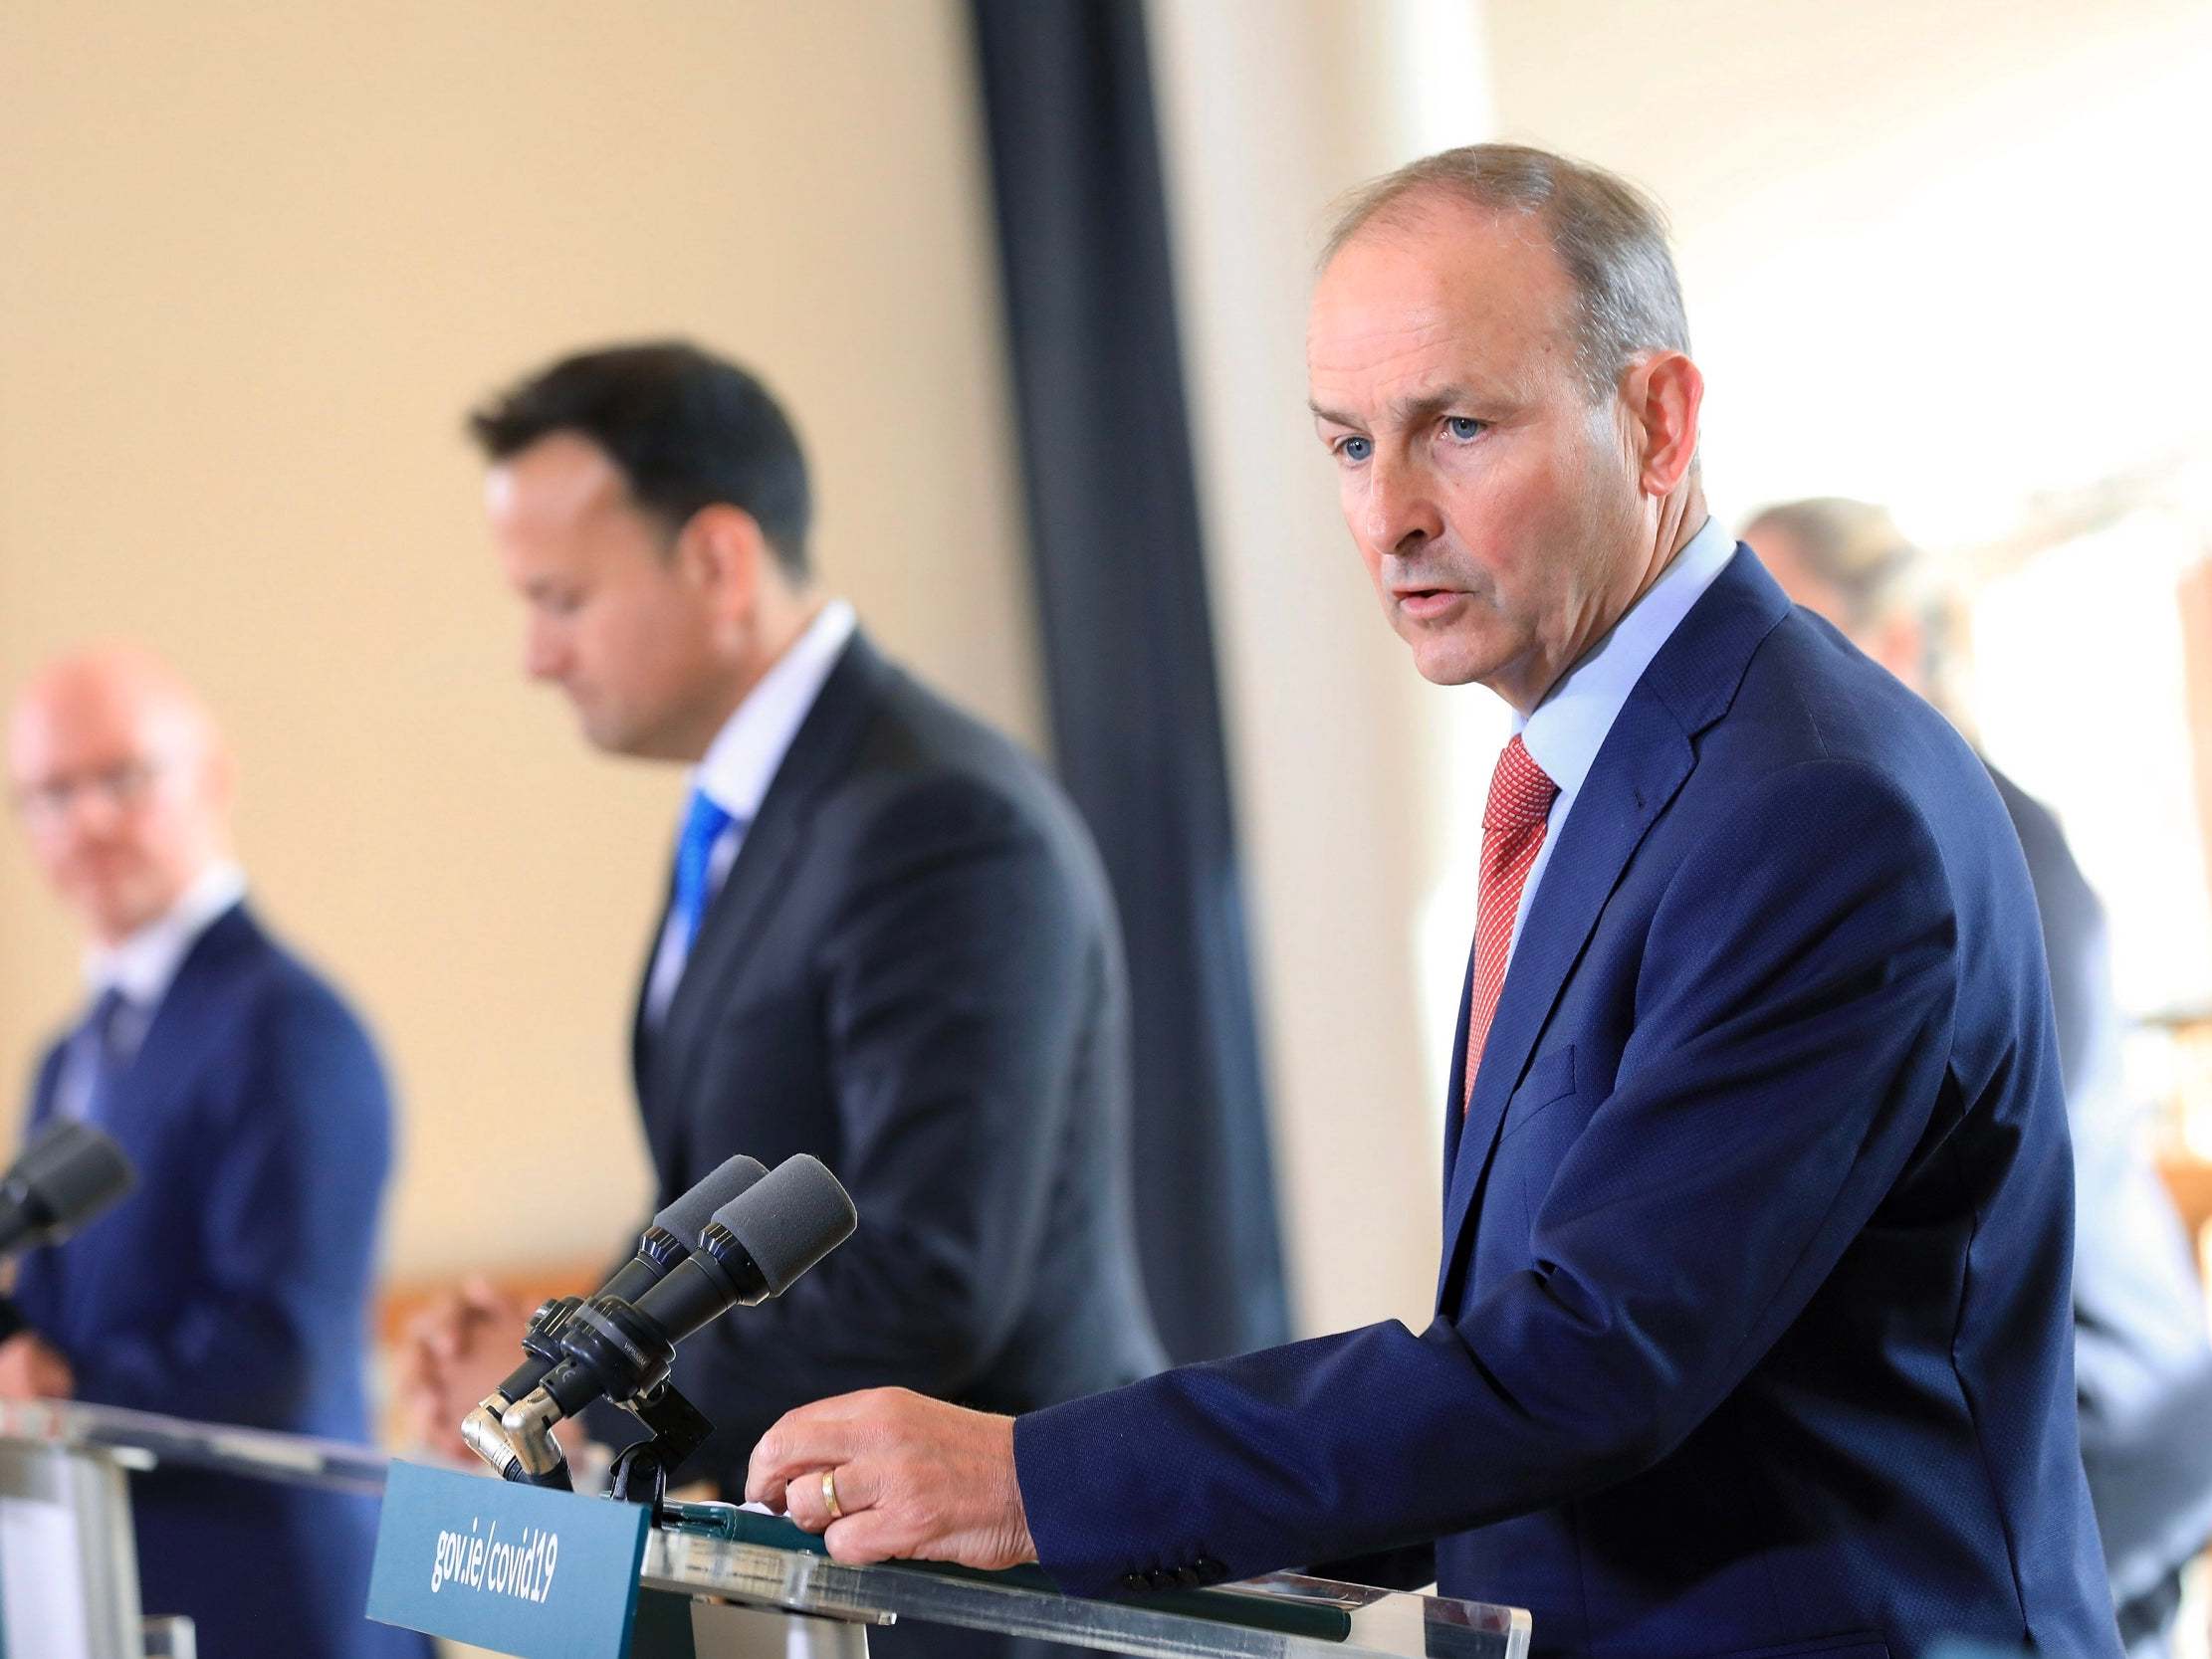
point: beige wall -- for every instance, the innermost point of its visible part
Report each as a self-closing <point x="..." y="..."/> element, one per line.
<point x="254" y="263"/>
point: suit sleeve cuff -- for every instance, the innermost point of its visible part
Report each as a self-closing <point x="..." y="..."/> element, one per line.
<point x="1098" y="1527"/>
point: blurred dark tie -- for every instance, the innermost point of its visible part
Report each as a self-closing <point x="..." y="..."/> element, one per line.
<point x="106" y="1041"/>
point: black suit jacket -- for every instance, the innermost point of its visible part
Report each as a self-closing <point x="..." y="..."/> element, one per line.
<point x="913" y="971"/>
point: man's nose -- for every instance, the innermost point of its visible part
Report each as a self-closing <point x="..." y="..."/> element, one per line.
<point x="88" y="812"/>
<point x="1400" y="511"/>
<point x="544" y="652"/>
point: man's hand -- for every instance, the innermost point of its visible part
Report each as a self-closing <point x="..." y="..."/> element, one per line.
<point x="30" y="1371"/>
<point x="915" y="1479"/>
<point x="455" y="1353"/>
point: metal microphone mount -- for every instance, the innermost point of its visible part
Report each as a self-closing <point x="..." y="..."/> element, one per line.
<point x="481" y="1428"/>
<point x="627" y="1357"/>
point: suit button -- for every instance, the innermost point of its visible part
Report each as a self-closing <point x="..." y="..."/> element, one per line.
<point x="1132" y="1581"/>
<point x="1159" y="1578"/>
<point x="1211" y="1571"/>
<point x="1189" y="1577"/>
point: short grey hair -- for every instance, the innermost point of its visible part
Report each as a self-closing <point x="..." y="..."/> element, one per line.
<point x="1608" y="236"/>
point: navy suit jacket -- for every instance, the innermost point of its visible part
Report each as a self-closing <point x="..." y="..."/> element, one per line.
<point x="1752" y="1328"/>
<point x="232" y="1286"/>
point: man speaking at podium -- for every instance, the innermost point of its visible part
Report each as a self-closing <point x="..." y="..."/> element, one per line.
<point x="1752" y="1329"/>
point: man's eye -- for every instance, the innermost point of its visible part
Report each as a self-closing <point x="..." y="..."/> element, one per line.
<point x="1465" y="428"/>
<point x="1355" y="448"/>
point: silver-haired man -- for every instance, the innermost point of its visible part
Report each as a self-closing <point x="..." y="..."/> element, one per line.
<point x="1752" y="1332"/>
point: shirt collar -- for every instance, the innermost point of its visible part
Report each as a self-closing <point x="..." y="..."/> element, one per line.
<point x="742" y="760"/>
<point x="1569" y="726"/>
<point x="143" y="966"/>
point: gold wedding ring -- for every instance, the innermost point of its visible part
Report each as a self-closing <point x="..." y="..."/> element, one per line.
<point x="830" y="1494"/>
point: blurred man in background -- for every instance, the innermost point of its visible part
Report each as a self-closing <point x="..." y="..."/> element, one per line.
<point x="2142" y="1365"/>
<point x="887" y="941"/>
<point x="233" y="1285"/>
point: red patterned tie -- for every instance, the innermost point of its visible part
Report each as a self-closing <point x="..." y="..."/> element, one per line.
<point x="1513" y="823"/>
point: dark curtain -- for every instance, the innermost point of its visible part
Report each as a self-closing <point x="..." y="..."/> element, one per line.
<point x="1128" y="643"/>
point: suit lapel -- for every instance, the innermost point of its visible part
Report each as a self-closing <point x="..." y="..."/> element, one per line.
<point x="819" y="755"/>
<point x="192" y="1017"/>
<point x="644" y="1040"/>
<point x="42" y="1276"/>
<point x="1642" y="765"/>
<point x="1455" y="1118"/>
<point x="46" y="1092"/>
<point x="189" y="1013"/>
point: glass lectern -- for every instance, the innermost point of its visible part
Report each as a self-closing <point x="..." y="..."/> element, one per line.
<point x="717" y="1582"/>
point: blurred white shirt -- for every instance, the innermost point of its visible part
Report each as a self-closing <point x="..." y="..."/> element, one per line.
<point x="743" y="761"/>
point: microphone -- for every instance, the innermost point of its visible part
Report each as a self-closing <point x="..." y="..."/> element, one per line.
<point x="67" y="1176"/>
<point x="619" y="1349"/>
<point x="663" y="1246"/>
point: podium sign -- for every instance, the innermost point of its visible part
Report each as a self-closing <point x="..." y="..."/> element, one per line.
<point x="536" y="1573"/>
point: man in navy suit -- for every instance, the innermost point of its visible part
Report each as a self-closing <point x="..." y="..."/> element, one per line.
<point x="1751" y="1329"/>
<point x="233" y="1285"/>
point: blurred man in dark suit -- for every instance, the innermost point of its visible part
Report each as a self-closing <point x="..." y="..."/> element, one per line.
<point x="887" y="942"/>
<point x="233" y="1285"/>
<point x="2142" y="1365"/>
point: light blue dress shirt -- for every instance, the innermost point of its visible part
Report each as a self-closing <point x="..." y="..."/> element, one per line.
<point x="1569" y="726"/>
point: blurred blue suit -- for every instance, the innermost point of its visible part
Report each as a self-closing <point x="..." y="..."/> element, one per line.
<point x="2142" y="1367"/>
<point x="233" y="1287"/>
<point x="1753" y="1332"/>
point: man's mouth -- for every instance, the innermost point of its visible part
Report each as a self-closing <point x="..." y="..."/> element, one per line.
<point x="1425" y="604"/>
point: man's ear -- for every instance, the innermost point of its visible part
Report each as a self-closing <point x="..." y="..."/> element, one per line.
<point x="1664" y="394"/>
<point x="722" y="549"/>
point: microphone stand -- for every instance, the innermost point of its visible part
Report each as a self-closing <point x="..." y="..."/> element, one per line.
<point x="641" y="1470"/>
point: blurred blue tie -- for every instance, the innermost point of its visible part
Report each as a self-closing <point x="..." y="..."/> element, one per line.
<point x="109" y="1038"/>
<point x="703" y="827"/>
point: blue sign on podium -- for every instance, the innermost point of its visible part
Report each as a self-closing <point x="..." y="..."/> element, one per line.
<point x="516" y="1569"/>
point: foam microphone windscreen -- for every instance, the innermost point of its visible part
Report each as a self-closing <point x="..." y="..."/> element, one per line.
<point x="792" y="1220"/>
<point x="73" y="1173"/>
<point x="56" y="1143"/>
<point x="687" y="1216"/>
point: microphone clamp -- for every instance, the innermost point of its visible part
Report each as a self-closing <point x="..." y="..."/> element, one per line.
<point x="535" y="1456"/>
<point x="481" y="1429"/>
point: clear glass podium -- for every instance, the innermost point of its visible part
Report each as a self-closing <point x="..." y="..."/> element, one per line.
<point x="724" y="1583"/>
